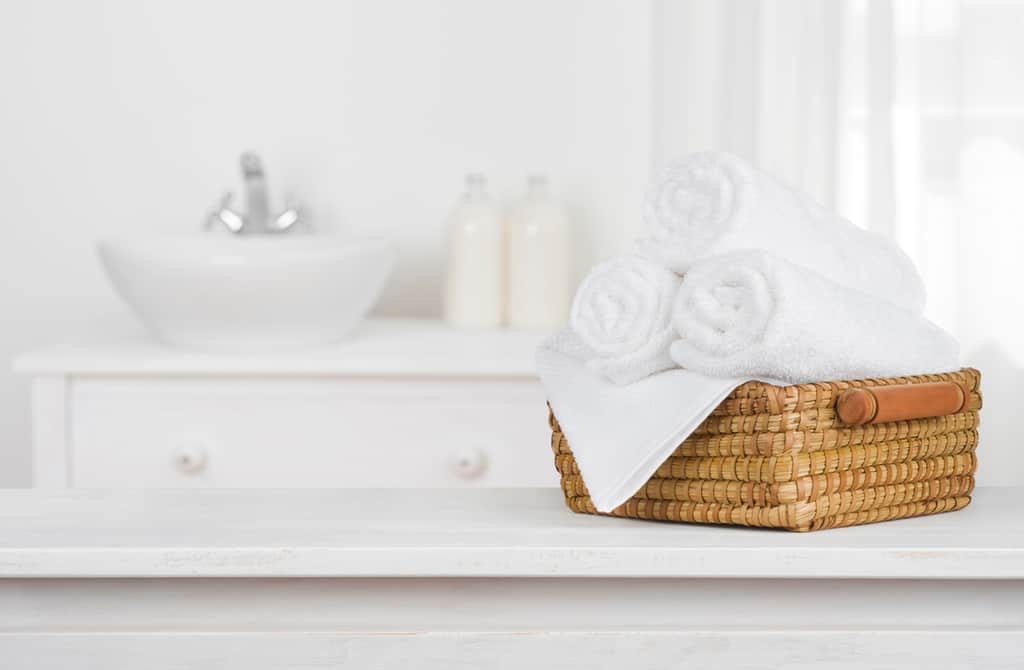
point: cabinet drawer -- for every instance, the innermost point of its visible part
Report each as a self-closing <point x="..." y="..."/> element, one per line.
<point x="308" y="432"/>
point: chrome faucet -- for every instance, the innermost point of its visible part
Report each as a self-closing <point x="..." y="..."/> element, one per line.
<point x="257" y="218"/>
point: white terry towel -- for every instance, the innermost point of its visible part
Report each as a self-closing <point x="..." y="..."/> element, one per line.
<point x="714" y="203"/>
<point x="621" y="434"/>
<point x="750" y="314"/>
<point x="621" y="319"/>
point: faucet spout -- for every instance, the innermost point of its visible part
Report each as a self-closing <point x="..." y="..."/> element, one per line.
<point x="257" y="201"/>
<point x="257" y="218"/>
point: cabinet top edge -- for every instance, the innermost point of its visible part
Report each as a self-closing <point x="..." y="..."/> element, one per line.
<point x="379" y="347"/>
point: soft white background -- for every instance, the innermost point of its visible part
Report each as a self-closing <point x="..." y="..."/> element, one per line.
<point x="123" y="115"/>
<point x="906" y="115"/>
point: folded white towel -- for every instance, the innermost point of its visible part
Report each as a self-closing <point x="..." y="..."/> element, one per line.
<point x="621" y="434"/>
<point x="714" y="203"/>
<point x="750" y="314"/>
<point x="621" y="317"/>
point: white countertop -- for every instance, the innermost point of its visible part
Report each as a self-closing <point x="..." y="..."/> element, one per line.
<point x="390" y="347"/>
<point x="467" y="533"/>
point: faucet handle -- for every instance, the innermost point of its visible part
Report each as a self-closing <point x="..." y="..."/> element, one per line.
<point x="223" y="215"/>
<point x="257" y="217"/>
<point x="286" y="219"/>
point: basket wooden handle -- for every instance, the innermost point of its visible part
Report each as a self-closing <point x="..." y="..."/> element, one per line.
<point x="882" y="404"/>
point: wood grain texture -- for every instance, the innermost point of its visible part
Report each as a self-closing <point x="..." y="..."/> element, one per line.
<point x="465" y="533"/>
<point x="307" y="579"/>
<point x="484" y="604"/>
<point x="654" y="650"/>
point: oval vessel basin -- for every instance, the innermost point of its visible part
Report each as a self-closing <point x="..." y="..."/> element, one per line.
<point x="244" y="294"/>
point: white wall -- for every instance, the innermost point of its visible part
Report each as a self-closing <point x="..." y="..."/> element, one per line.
<point x="121" y="115"/>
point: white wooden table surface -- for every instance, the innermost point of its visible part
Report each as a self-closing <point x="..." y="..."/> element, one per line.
<point x="490" y="578"/>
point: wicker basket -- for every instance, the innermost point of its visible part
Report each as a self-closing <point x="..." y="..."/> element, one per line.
<point x="786" y="457"/>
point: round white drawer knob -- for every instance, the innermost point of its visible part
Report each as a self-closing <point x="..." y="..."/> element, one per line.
<point x="189" y="460"/>
<point x="469" y="463"/>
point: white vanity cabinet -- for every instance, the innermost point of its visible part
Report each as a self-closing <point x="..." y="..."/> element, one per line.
<point x="401" y="404"/>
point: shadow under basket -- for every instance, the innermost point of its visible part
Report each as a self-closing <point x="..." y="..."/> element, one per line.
<point x="812" y="456"/>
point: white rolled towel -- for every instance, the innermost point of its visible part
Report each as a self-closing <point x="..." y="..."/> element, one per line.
<point x="621" y="319"/>
<point x="750" y="314"/>
<point x="714" y="203"/>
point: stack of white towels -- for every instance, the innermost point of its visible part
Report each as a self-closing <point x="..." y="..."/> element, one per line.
<point x="739" y="277"/>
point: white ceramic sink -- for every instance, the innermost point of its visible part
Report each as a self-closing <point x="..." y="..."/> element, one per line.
<point x="248" y="293"/>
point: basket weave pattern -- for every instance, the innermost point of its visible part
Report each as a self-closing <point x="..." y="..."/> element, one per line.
<point x="780" y="457"/>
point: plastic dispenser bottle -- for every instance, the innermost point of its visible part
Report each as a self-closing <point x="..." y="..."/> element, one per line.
<point x="538" y="260"/>
<point x="474" y="285"/>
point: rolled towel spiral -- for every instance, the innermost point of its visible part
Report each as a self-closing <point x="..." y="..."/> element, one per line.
<point x="750" y="314"/>
<point x="714" y="203"/>
<point x="622" y="318"/>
